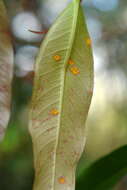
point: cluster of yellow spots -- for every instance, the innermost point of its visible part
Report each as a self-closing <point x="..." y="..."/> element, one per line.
<point x="74" y="70"/>
<point x="54" y="112"/>
<point x="88" y="41"/>
<point x="57" y="57"/>
<point x="62" y="180"/>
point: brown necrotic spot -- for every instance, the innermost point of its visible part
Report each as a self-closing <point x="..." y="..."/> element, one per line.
<point x="4" y="88"/>
<point x="90" y="92"/>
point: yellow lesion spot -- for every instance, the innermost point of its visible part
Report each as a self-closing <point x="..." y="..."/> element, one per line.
<point x="54" y="112"/>
<point x="70" y="62"/>
<point x="57" y="57"/>
<point x="62" y="180"/>
<point x="74" y="70"/>
<point x="88" y="41"/>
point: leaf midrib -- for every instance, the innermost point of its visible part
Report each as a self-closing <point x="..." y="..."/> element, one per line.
<point x="63" y="76"/>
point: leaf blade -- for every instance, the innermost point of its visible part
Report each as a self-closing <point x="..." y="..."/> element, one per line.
<point x="6" y="69"/>
<point x="52" y="112"/>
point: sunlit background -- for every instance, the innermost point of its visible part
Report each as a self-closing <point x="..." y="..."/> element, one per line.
<point x="107" y="122"/>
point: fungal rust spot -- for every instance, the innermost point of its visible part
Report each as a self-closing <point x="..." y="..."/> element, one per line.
<point x="62" y="180"/>
<point x="74" y="70"/>
<point x="88" y="41"/>
<point x="70" y="62"/>
<point x="54" y="112"/>
<point x="57" y="57"/>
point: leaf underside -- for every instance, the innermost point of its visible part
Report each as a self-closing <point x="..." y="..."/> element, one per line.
<point x="6" y="69"/>
<point x="61" y="98"/>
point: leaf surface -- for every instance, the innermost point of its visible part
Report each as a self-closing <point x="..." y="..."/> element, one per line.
<point x="105" y="172"/>
<point x="61" y="98"/>
<point x="6" y="70"/>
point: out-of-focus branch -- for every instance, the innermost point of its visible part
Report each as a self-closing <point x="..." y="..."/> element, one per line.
<point x="29" y="4"/>
<point x="107" y="35"/>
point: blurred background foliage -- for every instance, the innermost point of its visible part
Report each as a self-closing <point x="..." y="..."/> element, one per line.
<point x="107" y="121"/>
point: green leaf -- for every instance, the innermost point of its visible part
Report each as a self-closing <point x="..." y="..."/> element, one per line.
<point x="104" y="173"/>
<point x="61" y="98"/>
<point x="6" y="69"/>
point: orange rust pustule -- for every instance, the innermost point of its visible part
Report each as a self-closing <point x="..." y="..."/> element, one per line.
<point x="54" y="112"/>
<point x="74" y="70"/>
<point x="62" y="180"/>
<point x="70" y="62"/>
<point x="88" y="41"/>
<point x="57" y="57"/>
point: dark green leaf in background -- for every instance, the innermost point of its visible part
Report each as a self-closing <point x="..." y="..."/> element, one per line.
<point x="104" y="173"/>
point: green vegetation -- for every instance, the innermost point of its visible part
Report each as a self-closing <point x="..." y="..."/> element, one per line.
<point x="100" y="168"/>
